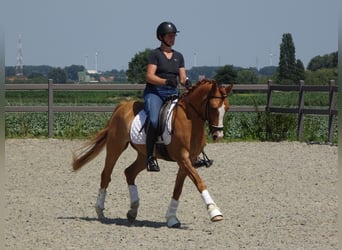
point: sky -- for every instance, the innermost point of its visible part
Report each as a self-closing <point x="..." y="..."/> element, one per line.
<point x="245" y="33"/>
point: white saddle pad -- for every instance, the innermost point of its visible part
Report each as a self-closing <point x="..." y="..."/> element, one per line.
<point x="138" y="135"/>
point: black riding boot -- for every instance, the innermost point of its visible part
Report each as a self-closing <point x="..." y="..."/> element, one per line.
<point x="151" y="137"/>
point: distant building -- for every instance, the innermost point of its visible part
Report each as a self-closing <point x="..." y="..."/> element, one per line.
<point x="92" y="72"/>
<point x="93" y="76"/>
<point x="106" y="79"/>
<point x="88" y="76"/>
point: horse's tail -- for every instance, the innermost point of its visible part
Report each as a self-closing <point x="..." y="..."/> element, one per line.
<point x="90" y="150"/>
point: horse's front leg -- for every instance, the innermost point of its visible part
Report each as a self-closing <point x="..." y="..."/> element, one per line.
<point x="213" y="210"/>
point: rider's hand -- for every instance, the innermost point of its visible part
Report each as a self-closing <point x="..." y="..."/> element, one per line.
<point x="187" y="84"/>
<point x="173" y="82"/>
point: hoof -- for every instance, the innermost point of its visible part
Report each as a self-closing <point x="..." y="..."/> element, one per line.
<point x="217" y="218"/>
<point x="100" y="214"/>
<point x="133" y="212"/>
<point x="214" y="213"/>
<point x="173" y="222"/>
<point x="131" y="217"/>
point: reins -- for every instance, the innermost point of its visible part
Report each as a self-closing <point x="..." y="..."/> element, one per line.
<point x="199" y="113"/>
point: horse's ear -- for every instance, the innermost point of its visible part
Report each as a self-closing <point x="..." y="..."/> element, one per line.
<point x="229" y="87"/>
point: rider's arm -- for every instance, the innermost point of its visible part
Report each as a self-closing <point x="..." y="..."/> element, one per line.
<point x="182" y="75"/>
<point x="151" y="76"/>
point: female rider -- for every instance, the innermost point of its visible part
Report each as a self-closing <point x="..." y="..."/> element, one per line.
<point x="165" y="69"/>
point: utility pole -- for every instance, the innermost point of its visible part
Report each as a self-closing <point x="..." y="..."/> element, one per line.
<point x="19" y="72"/>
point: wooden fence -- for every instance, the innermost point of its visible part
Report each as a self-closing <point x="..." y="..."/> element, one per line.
<point x="268" y="88"/>
<point x="330" y="110"/>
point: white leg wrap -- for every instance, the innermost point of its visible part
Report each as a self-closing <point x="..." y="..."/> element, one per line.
<point x="213" y="209"/>
<point x="206" y="197"/>
<point x="134" y="198"/>
<point x="171" y="218"/>
<point x="133" y="193"/>
<point x="172" y="210"/>
<point x="101" y="198"/>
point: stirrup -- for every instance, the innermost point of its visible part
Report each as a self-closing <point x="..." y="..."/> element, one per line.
<point x="203" y="162"/>
<point x="152" y="164"/>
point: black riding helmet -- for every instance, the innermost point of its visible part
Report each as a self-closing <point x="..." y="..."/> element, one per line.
<point x="164" y="28"/>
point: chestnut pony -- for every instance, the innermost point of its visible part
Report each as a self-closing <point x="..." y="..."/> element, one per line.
<point x="204" y="102"/>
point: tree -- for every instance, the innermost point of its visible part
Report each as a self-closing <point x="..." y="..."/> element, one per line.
<point x="136" y="72"/>
<point x="325" y="61"/>
<point x="198" y="72"/>
<point x="321" y="76"/>
<point x="225" y="75"/>
<point x="42" y="69"/>
<point x="248" y="76"/>
<point x="287" y="60"/>
<point x="268" y="70"/>
<point x="58" y="75"/>
<point x="37" y="78"/>
<point x="9" y="71"/>
<point x="72" y="71"/>
<point x="300" y="71"/>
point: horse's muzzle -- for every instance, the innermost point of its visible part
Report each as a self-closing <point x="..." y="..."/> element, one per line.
<point x="217" y="134"/>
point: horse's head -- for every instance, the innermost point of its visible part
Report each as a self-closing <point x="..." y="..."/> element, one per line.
<point x="217" y="105"/>
<point x="213" y="105"/>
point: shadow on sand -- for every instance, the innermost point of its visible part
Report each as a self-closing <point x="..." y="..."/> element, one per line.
<point x="121" y="222"/>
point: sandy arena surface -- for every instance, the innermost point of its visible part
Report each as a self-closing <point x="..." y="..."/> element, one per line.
<point x="272" y="196"/>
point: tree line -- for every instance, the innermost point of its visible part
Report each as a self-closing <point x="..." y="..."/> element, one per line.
<point x="290" y="70"/>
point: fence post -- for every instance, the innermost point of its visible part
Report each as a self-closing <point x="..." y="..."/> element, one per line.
<point x="50" y="109"/>
<point x="269" y="95"/>
<point x="331" y="107"/>
<point x="300" y="111"/>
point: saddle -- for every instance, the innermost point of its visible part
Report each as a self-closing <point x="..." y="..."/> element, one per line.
<point x="164" y="129"/>
<point x="164" y="117"/>
<point x="162" y="125"/>
<point x="165" y="113"/>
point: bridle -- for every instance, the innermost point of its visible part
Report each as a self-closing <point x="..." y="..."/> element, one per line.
<point x="206" y="117"/>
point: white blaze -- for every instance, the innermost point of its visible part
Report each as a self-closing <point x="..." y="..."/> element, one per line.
<point x="221" y="115"/>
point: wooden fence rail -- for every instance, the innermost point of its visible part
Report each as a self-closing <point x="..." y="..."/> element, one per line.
<point x="330" y="110"/>
<point x="268" y="88"/>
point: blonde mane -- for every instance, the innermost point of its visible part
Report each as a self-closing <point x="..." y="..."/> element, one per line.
<point x="199" y="83"/>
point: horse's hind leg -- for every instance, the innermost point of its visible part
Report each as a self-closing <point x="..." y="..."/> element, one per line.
<point x="113" y="151"/>
<point x="171" y="218"/>
<point x="131" y="173"/>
